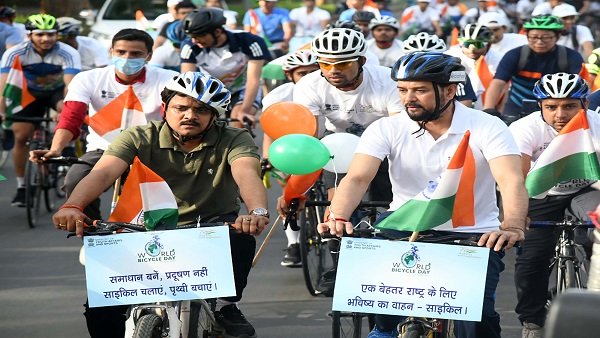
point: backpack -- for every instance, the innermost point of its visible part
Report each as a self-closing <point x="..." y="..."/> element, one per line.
<point x="563" y="64"/>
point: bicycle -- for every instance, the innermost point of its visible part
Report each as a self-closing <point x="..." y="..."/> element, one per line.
<point x="6" y="144"/>
<point x="193" y="319"/>
<point x="567" y="264"/>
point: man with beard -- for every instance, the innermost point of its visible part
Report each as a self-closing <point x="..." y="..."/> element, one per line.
<point x="384" y="43"/>
<point x="428" y="134"/>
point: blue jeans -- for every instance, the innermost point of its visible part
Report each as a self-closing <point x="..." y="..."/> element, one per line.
<point x="489" y="327"/>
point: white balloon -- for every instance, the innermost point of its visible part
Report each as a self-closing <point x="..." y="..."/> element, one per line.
<point x="341" y="146"/>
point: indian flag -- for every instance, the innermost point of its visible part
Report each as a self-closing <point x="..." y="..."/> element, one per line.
<point x="15" y="92"/>
<point x="121" y="113"/>
<point x="448" y="199"/>
<point x="146" y="196"/>
<point x="570" y="155"/>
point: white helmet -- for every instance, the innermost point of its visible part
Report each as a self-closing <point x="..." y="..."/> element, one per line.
<point x="339" y="43"/>
<point x="68" y="26"/>
<point x="303" y="57"/>
<point x="423" y="42"/>
<point x="384" y="21"/>
<point x="200" y="86"/>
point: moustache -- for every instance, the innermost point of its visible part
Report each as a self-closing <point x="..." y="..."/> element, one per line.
<point x="190" y="123"/>
<point x="413" y="105"/>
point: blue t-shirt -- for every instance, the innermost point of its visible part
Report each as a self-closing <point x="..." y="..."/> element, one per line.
<point x="524" y="80"/>
<point x="272" y="24"/>
<point x="465" y="92"/>
<point x="594" y="100"/>
<point x="8" y="35"/>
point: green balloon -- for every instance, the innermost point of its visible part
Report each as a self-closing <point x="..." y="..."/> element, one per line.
<point x="298" y="154"/>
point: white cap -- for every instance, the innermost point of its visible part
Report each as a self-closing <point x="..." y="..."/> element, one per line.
<point x="563" y="10"/>
<point x="173" y="3"/>
<point x="492" y="20"/>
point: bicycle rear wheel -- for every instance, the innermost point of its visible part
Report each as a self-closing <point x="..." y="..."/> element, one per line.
<point x="148" y="326"/>
<point x="33" y="193"/>
<point x="52" y="191"/>
<point x="346" y="324"/>
<point x="202" y="320"/>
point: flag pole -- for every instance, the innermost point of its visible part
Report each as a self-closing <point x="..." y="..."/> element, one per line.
<point x="265" y="241"/>
<point x="413" y="236"/>
<point x="116" y="194"/>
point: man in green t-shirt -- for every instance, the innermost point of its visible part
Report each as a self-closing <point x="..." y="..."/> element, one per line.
<point x="207" y="165"/>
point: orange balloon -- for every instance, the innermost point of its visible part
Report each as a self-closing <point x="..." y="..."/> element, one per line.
<point x="284" y="118"/>
<point x="297" y="185"/>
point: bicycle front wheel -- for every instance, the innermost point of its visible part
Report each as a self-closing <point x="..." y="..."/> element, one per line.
<point x="202" y="320"/>
<point x="346" y="324"/>
<point x="33" y="193"/>
<point x="314" y="252"/>
<point x="148" y="326"/>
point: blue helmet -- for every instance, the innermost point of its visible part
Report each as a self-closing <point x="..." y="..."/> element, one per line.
<point x="561" y="86"/>
<point x="428" y="66"/>
<point x="175" y="34"/>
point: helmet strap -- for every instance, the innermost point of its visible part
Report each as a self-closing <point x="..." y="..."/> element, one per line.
<point x="183" y="139"/>
<point x="432" y="115"/>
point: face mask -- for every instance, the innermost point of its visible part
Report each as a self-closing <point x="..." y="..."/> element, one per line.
<point x="128" y="66"/>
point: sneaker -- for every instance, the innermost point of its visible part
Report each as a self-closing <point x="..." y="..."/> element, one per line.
<point x="376" y="333"/>
<point x="292" y="256"/>
<point x="19" y="200"/>
<point x="231" y="319"/>
<point x="531" y="330"/>
<point x="326" y="283"/>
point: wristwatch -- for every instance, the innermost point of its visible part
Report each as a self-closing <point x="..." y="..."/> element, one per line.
<point x="260" y="212"/>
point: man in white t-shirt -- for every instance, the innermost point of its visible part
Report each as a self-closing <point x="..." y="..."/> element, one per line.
<point x="473" y="14"/>
<point x="93" y="54"/>
<point x="296" y="66"/>
<point x="419" y="145"/>
<point x="308" y="20"/>
<point x="165" y="18"/>
<point x="94" y="89"/>
<point x="384" y="43"/>
<point x="577" y="37"/>
<point x="502" y="41"/>
<point x="561" y="97"/>
<point x="420" y="18"/>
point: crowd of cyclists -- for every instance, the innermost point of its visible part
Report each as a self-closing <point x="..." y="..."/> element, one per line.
<point x="410" y="84"/>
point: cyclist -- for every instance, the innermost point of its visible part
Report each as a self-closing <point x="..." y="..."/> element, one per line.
<point x="560" y="97"/>
<point x="473" y="14"/>
<point x="272" y="24"/>
<point x="182" y="9"/>
<point x="354" y="6"/>
<point x="362" y="20"/>
<point x="92" y="53"/>
<point x="309" y="20"/>
<point x="167" y="55"/>
<point x="236" y="58"/>
<point x="502" y="41"/>
<point x="431" y="129"/>
<point x="176" y="150"/>
<point x="524" y="65"/>
<point x="420" y="18"/>
<point x="49" y="66"/>
<point x="295" y="66"/>
<point x="384" y="43"/>
<point x="9" y="35"/>
<point x="95" y="89"/>
<point x="230" y="16"/>
<point x="577" y="37"/>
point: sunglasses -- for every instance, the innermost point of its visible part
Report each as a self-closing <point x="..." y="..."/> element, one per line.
<point x="341" y="65"/>
<point x="475" y="43"/>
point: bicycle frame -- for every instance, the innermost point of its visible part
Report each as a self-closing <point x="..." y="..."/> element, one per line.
<point x="566" y="261"/>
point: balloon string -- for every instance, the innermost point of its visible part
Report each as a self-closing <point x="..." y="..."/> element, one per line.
<point x="335" y="184"/>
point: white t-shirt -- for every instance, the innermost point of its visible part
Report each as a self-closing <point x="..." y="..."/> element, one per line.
<point x="350" y="111"/>
<point x="508" y="42"/>
<point x="282" y="93"/>
<point x="162" y="20"/>
<point x="308" y="24"/>
<point x="93" y="53"/>
<point x="582" y="34"/>
<point x="230" y="17"/>
<point x="543" y="8"/>
<point x="386" y="57"/>
<point x="525" y="7"/>
<point x="422" y="18"/>
<point x="416" y="159"/>
<point x="533" y="136"/>
<point x="166" y="56"/>
<point x="473" y="14"/>
<point x="98" y="87"/>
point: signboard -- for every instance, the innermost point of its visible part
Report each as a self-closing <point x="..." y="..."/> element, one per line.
<point x="155" y="266"/>
<point x="416" y="279"/>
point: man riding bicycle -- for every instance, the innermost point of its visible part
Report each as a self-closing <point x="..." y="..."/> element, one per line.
<point x="560" y="97"/>
<point x="207" y="165"/>
<point x="419" y="145"/>
<point x="48" y="66"/>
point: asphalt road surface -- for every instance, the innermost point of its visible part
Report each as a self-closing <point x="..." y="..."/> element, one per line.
<point x="42" y="284"/>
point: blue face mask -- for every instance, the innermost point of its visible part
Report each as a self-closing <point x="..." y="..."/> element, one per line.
<point x="128" y="66"/>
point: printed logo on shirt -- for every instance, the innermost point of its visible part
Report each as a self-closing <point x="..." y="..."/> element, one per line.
<point x="107" y="94"/>
<point x="255" y="49"/>
<point x="366" y="109"/>
<point x="331" y="107"/>
<point x="186" y="52"/>
<point x="355" y="129"/>
<point x="460" y="90"/>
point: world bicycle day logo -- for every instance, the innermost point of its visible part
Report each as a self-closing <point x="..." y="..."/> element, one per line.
<point x="410" y="262"/>
<point x="154" y="251"/>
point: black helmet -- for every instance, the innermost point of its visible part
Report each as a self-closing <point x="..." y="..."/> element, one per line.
<point x="427" y="66"/>
<point x="204" y="20"/>
<point x="7" y="12"/>
<point x="344" y="24"/>
<point x="363" y="16"/>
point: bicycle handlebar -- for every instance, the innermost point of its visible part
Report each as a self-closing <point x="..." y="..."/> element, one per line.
<point x="566" y="223"/>
<point x="248" y="124"/>
<point x="64" y="160"/>
<point x="443" y="239"/>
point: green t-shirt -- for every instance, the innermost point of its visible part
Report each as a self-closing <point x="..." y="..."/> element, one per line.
<point x="201" y="180"/>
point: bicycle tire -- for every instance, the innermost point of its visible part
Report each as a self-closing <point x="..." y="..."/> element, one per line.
<point x="202" y="320"/>
<point x="346" y="324"/>
<point x="570" y="275"/>
<point x="50" y="187"/>
<point x="33" y="193"/>
<point x="148" y="326"/>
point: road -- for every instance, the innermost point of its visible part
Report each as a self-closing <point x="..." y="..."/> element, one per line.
<point x="42" y="284"/>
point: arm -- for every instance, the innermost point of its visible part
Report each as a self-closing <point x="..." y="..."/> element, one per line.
<point x="587" y="48"/>
<point x="67" y="78"/>
<point x="252" y="82"/>
<point x="188" y="67"/>
<point x="493" y="94"/>
<point x="3" y="78"/>
<point x="349" y="193"/>
<point x="525" y="164"/>
<point x="288" y="33"/>
<point x="507" y="172"/>
<point x="159" y="41"/>
<point x="104" y="173"/>
<point x="252" y="191"/>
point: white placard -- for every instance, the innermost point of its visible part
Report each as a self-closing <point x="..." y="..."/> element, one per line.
<point x="156" y="266"/>
<point x="416" y="279"/>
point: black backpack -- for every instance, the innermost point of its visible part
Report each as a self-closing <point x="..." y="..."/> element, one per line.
<point x="563" y="64"/>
